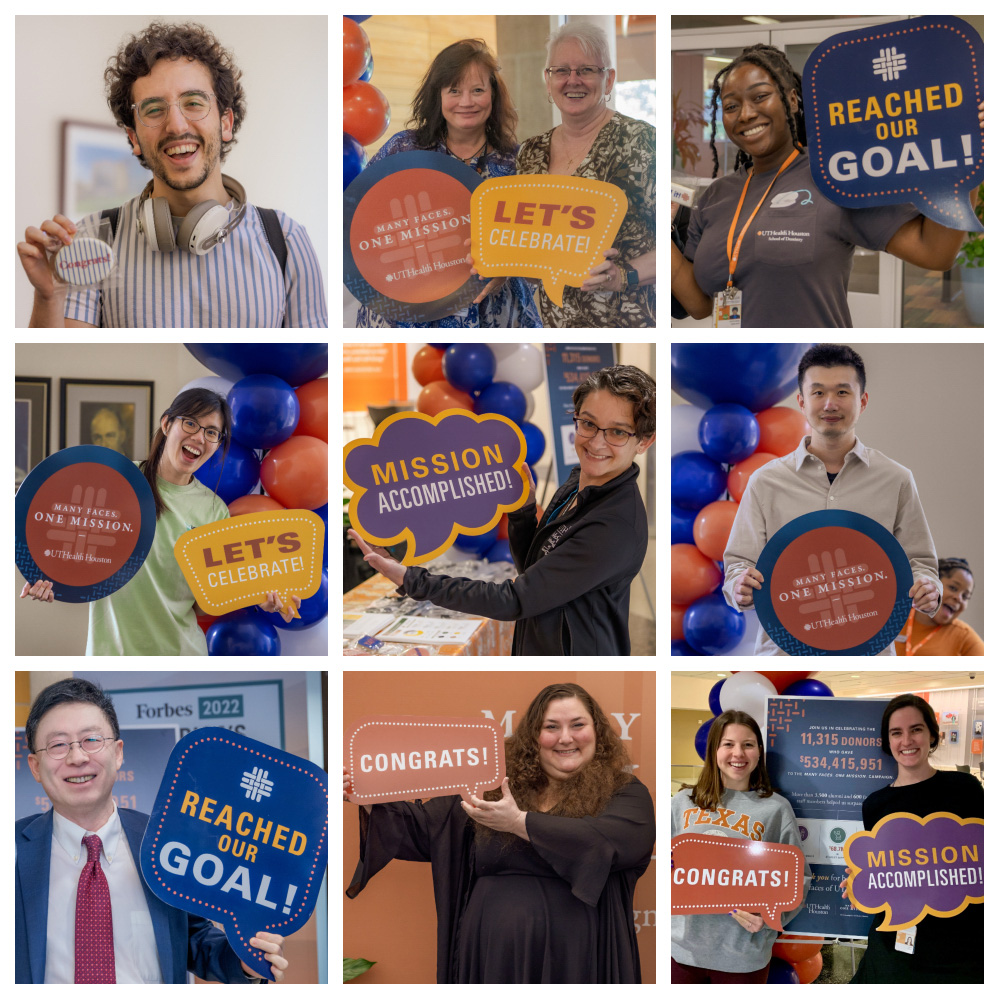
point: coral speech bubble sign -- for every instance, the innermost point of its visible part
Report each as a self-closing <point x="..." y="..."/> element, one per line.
<point x="238" y="834"/>
<point x="719" y="874"/>
<point x="394" y="757"/>
<point x="233" y="563"/>
<point x="550" y="227"/>
<point x="911" y="866"/>
<point x="426" y="480"/>
<point x="892" y="113"/>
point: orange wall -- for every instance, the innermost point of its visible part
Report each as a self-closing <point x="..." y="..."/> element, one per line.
<point x="393" y="922"/>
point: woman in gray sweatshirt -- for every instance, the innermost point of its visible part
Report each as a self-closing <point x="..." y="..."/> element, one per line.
<point x="733" y="798"/>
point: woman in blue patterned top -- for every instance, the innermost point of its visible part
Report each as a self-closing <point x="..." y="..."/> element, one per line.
<point x="462" y="109"/>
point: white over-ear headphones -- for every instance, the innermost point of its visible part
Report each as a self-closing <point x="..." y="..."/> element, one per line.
<point x="204" y="227"/>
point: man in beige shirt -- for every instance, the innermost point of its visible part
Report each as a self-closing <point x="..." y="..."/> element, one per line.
<point x="830" y="470"/>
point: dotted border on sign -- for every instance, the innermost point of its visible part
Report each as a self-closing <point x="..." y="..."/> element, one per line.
<point x="730" y="841"/>
<point x="909" y="191"/>
<point x="432" y="788"/>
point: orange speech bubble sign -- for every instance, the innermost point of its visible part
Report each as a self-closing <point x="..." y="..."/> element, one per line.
<point x="719" y="874"/>
<point x="544" y="226"/>
<point x="233" y="563"/>
<point x="394" y="757"/>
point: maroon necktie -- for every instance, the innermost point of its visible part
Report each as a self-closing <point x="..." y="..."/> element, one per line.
<point x="95" y="940"/>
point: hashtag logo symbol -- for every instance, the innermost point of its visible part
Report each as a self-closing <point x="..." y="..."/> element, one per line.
<point x="842" y="601"/>
<point x="888" y="64"/>
<point x="256" y="784"/>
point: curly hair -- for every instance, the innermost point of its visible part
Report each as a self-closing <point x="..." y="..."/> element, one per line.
<point x="447" y="69"/>
<point x="587" y="791"/>
<point x="626" y="382"/>
<point x="139" y="54"/>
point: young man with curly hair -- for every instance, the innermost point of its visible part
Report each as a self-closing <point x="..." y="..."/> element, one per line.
<point x="190" y="250"/>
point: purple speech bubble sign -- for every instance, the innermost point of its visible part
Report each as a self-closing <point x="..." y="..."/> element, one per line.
<point x="426" y="480"/>
<point x="911" y="866"/>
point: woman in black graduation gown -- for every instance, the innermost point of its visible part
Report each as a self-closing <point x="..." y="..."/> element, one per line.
<point x="945" y="949"/>
<point x="534" y="882"/>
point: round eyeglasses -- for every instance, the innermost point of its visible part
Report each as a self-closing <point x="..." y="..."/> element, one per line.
<point x="615" y="436"/>
<point x="57" y="749"/>
<point x="212" y="434"/>
<point x="194" y="106"/>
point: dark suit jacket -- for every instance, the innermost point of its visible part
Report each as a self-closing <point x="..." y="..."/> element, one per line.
<point x="183" y="941"/>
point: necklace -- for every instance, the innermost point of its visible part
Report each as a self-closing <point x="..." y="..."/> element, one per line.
<point x="573" y="154"/>
<point x="466" y="159"/>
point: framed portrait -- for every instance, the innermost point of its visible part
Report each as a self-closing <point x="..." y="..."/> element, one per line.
<point x="32" y="412"/>
<point x="98" y="170"/>
<point x="108" y="412"/>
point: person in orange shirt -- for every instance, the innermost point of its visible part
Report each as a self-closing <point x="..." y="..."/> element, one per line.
<point x="943" y="634"/>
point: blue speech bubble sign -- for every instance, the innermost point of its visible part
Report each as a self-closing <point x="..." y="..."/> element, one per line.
<point x="239" y="835"/>
<point x="892" y="113"/>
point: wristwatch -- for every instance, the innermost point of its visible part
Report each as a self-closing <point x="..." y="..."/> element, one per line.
<point x="631" y="274"/>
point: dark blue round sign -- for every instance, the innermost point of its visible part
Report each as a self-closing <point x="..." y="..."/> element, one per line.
<point x="84" y="518"/>
<point x="835" y="583"/>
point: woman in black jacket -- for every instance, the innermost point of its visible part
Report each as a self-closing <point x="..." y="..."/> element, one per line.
<point x="575" y="565"/>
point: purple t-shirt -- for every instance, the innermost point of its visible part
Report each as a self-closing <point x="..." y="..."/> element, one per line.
<point x="796" y="257"/>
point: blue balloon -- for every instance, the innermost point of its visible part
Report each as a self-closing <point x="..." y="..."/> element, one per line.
<point x="755" y="375"/>
<point x="729" y="433"/>
<point x="358" y="17"/>
<point x="244" y="636"/>
<point x="808" y="687"/>
<point x="478" y="545"/>
<point x="265" y="411"/>
<point x="469" y="367"/>
<point x="355" y="158"/>
<point x="782" y="972"/>
<point x="713" y="696"/>
<point x="311" y="611"/>
<point x="240" y="472"/>
<point x="695" y="480"/>
<point x="678" y="647"/>
<point x="712" y="626"/>
<point x="504" y="398"/>
<point x="500" y="552"/>
<point x="682" y="525"/>
<point x="535" y="440"/>
<point x="296" y="364"/>
<point x="701" y="738"/>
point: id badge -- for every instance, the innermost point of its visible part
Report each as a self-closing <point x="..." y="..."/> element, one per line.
<point x="727" y="308"/>
<point x="906" y="937"/>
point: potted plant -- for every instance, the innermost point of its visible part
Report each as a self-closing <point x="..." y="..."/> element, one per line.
<point x="970" y="259"/>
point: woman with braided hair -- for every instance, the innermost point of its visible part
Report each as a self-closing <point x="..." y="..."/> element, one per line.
<point x="763" y="243"/>
<point x="943" y="634"/>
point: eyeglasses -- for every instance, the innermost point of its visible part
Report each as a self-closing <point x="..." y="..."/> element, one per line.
<point x="565" y="72"/>
<point x="212" y="434"/>
<point x="194" y="106"/>
<point x="615" y="436"/>
<point x="92" y="744"/>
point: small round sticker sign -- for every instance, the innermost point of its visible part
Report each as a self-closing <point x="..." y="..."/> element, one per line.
<point x="835" y="582"/>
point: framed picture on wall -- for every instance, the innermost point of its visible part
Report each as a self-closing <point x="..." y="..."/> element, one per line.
<point x="98" y="170"/>
<point x="112" y="413"/>
<point x="32" y="412"/>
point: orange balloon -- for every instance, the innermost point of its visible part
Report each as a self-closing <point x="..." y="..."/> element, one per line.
<point x="740" y="473"/>
<point x="692" y="574"/>
<point x="312" y="399"/>
<point x="438" y="396"/>
<point x="356" y="49"/>
<point x="426" y="365"/>
<point x="797" y="951"/>
<point x="252" y="504"/>
<point x="366" y="112"/>
<point x="294" y="472"/>
<point x="809" y="969"/>
<point x="712" y="527"/>
<point x="677" y="621"/>
<point x="781" y="430"/>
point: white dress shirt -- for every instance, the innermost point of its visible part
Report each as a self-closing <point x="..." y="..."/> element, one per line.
<point x="136" y="959"/>
<point x="869" y="483"/>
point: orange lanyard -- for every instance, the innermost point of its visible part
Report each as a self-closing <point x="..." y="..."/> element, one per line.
<point x="912" y="651"/>
<point x="735" y="256"/>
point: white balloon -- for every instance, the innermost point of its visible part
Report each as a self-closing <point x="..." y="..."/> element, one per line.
<point x="747" y="692"/>
<point x="521" y="364"/>
<point x="684" y="420"/>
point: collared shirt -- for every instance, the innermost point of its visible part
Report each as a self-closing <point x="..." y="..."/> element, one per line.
<point x="237" y="284"/>
<point x="136" y="959"/>
<point x="869" y="484"/>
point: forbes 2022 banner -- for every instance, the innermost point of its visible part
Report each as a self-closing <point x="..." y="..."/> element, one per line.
<point x="892" y="113"/>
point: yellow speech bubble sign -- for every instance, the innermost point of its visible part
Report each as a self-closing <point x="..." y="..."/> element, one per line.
<point x="544" y="226"/>
<point x="233" y="563"/>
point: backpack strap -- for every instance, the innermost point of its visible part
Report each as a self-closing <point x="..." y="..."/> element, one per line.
<point x="275" y="237"/>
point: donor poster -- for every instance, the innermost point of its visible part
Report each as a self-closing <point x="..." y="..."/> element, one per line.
<point x="425" y="480"/>
<point x="239" y="835"/>
<point x="406" y="223"/>
<point x="892" y="113"/>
